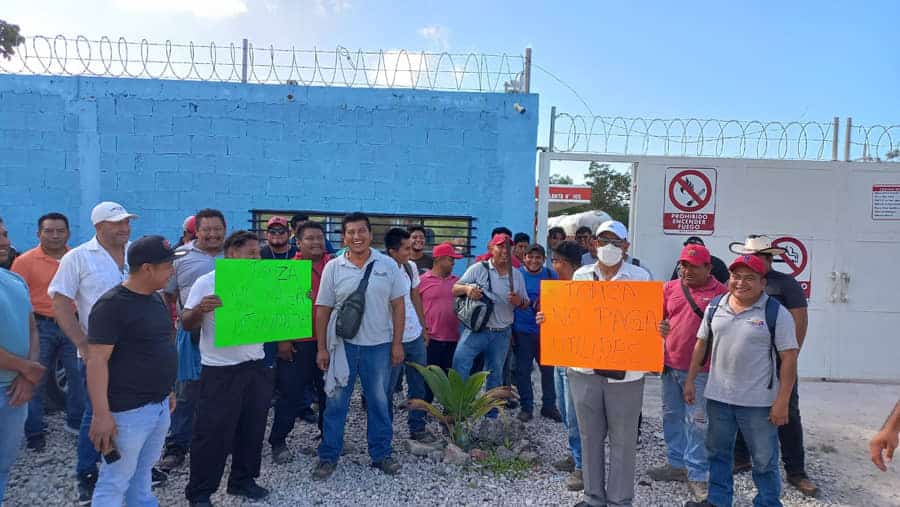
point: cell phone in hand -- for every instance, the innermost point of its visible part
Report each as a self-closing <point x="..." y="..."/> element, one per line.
<point x="112" y="456"/>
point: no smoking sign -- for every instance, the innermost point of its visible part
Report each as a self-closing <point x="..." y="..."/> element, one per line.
<point x="795" y="261"/>
<point x="689" y="202"/>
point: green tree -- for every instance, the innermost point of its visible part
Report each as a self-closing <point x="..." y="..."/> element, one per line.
<point x="610" y="190"/>
<point x="559" y="179"/>
<point x="9" y="39"/>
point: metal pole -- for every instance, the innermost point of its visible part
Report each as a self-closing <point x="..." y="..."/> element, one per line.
<point x="836" y="125"/>
<point x="847" y="139"/>
<point x="527" y="70"/>
<point x="543" y="211"/>
<point x="552" y="128"/>
<point x="244" y="61"/>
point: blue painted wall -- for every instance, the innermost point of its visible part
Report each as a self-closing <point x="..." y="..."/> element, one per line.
<point x="165" y="149"/>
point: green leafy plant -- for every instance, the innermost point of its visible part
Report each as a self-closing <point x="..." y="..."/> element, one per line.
<point x="461" y="402"/>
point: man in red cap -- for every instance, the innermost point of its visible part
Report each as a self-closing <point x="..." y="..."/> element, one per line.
<point x="684" y="426"/>
<point x="744" y="330"/>
<point x="278" y="244"/>
<point x="496" y="280"/>
<point x="436" y="288"/>
<point x="487" y="255"/>
<point x="188" y="231"/>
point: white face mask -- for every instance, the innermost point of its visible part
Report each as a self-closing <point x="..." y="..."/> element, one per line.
<point x="609" y="255"/>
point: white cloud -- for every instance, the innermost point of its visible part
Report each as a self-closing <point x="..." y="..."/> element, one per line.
<point x="436" y="34"/>
<point x="200" y="8"/>
<point x="337" y="7"/>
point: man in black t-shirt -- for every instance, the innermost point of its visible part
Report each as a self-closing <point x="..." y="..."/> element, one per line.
<point x="278" y="246"/>
<point x="789" y="293"/>
<point x="131" y="366"/>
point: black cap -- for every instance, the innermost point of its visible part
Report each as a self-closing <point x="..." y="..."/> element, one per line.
<point x="694" y="240"/>
<point x="151" y="250"/>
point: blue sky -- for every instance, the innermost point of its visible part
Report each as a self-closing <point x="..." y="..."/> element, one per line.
<point x="761" y="60"/>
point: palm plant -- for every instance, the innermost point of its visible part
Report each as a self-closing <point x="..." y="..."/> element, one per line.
<point x="461" y="402"/>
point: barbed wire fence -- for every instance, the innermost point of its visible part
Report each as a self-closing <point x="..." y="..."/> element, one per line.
<point x="248" y="63"/>
<point x="696" y="137"/>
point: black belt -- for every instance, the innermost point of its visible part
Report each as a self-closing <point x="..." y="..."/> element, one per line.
<point x="38" y="316"/>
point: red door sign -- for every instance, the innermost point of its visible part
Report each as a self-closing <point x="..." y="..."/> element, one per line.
<point x="689" y="203"/>
<point x="795" y="261"/>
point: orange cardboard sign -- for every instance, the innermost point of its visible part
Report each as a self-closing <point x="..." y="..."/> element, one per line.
<point x="602" y="325"/>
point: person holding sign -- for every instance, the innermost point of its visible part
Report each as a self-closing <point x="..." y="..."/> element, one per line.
<point x="360" y="317"/>
<point x="744" y="330"/>
<point x="497" y="280"/>
<point x="235" y="394"/>
<point x="608" y="402"/>
<point x="684" y="426"/>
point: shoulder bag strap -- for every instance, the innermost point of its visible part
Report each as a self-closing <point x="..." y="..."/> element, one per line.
<point x="690" y="300"/>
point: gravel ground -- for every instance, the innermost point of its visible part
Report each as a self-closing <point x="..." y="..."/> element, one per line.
<point x="47" y="479"/>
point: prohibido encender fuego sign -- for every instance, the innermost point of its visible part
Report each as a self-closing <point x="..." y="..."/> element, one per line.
<point x="689" y="201"/>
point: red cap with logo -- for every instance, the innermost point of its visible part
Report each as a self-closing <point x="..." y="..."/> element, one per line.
<point x="752" y="262"/>
<point x="445" y="250"/>
<point x="500" y="239"/>
<point x="695" y="254"/>
<point x="277" y="220"/>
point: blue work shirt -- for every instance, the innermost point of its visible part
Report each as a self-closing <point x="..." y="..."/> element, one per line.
<point x="524" y="319"/>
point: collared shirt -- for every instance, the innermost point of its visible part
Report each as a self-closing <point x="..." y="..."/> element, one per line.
<point x="742" y="361"/>
<point x="85" y="273"/>
<point x="341" y="278"/>
<point x="683" y="322"/>
<point x="412" y="328"/>
<point x="503" y="315"/>
<point x="627" y="272"/>
<point x="440" y="313"/>
<point x="37" y="269"/>
<point x="210" y="354"/>
<point x="188" y="268"/>
<point x="15" y="322"/>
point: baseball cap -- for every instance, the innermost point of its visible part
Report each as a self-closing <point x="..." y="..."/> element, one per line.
<point x="694" y="240"/>
<point x="152" y="250"/>
<point x="750" y="261"/>
<point x="695" y="254"/>
<point x="190" y="224"/>
<point x="615" y="227"/>
<point x="277" y="220"/>
<point x="445" y="250"/>
<point x="499" y="239"/>
<point x="108" y="211"/>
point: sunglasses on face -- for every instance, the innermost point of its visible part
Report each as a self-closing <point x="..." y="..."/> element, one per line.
<point x="614" y="242"/>
<point x="277" y="230"/>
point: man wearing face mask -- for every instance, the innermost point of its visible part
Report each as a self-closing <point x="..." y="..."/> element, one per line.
<point x="608" y="403"/>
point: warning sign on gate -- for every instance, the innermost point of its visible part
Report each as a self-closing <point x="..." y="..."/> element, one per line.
<point x="795" y="261"/>
<point x="690" y="201"/>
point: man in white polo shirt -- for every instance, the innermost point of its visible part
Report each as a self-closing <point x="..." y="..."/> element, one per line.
<point x="235" y="394"/>
<point x="608" y="403"/>
<point x="85" y="273"/>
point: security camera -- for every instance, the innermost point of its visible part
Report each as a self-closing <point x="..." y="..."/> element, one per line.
<point x="519" y="108"/>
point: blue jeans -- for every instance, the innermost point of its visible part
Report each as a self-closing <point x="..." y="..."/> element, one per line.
<point x="12" y="422"/>
<point x="372" y="364"/>
<point x="87" y="455"/>
<point x="139" y="439"/>
<point x="494" y="345"/>
<point x="415" y="353"/>
<point x="567" y="410"/>
<point x="762" y="439"/>
<point x="527" y="351"/>
<point x="684" y="426"/>
<point x="53" y="340"/>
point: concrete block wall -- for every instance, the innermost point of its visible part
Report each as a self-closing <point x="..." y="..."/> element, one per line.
<point x="165" y="149"/>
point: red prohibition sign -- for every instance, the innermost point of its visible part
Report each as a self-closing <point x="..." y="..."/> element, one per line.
<point x="680" y="180"/>
<point x="796" y="269"/>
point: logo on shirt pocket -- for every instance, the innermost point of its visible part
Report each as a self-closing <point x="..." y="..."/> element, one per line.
<point x="380" y="273"/>
<point x="756" y="323"/>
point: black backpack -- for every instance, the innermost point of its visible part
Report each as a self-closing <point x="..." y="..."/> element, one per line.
<point x="350" y="314"/>
<point x="475" y="314"/>
<point x="772" y="306"/>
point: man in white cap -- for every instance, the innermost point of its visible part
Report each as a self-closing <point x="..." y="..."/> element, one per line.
<point x="608" y="403"/>
<point x="787" y="291"/>
<point x="85" y="273"/>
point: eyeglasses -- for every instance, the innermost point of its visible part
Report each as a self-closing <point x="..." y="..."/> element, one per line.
<point x="614" y="242"/>
<point x="277" y="230"/>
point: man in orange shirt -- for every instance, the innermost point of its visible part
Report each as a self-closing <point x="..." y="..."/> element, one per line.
<point x="37" y="266"/>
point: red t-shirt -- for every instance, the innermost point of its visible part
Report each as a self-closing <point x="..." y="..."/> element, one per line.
<point x="437" y="300"/>
<point x="317" y="269"/>
<point x="683" y="322"/>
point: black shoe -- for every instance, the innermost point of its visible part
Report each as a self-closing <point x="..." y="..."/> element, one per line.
<point x="309" y="415"/>
<point x="201" y="503"/>
<point x="551" y="413"/>
<point x="704" y="503"/>
<point x="157" y="477"/>
<point x="86" y="483"/>
<point x="388" y="465"/>
<point x="37" y="443"/>
<point x="323" y="470"/>
<point x="251" y="490"/>
<point x="281" y="454"/>
<point x="172" y="459"/>
<point x="525" y="416"/>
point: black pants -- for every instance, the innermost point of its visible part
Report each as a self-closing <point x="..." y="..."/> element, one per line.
<point x="441" y="354"/>
<point x="791" y="437"/>
<point x="231" y="419"/>
<point x="292" y="379"/>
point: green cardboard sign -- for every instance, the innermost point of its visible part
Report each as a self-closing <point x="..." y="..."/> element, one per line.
<point x="262" y="301"/>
